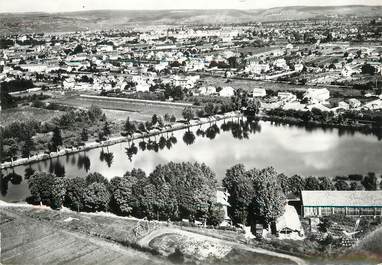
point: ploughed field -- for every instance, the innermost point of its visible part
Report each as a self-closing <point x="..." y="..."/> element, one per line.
<point x="29" y="241"/>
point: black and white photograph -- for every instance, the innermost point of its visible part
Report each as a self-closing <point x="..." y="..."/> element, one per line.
<point x="203" y="132"/>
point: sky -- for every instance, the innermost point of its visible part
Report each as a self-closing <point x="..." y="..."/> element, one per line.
<point x="81" y="5"/>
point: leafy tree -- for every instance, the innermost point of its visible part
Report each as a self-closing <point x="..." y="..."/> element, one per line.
<point x="129" y="126"/>
<point x="215" y="214"/>
<point x="370" y="181"/>
<point x="106" y="129"/>
<point x="183" y="188"/>
<point x="173" y="118"/>
<point x="9" y="148"/>
<point x="56" y="139"/>
<point x="121" y="195"/>
<point x="268" y="199"/>
<point x="74" y="196"/>
<point x="95" y="113"/>
<point x="28" y="146"/>
<point x="167" y="118"/>
<point x="284" y="183"/>
<point x="296" y="184"/>
<point x="84" y="135"/>
<point x="311" y="183"/>
<point x="96" y="178"/>
<point x="96" y="197"/>
<point x="160" y="121"/>
<point x="46" y="188"/>
<point x="209" y="109"/>
<point x="253" y="107"/>
<point x="240" y="188"/>
<point x="154" y="119"/>
<point x="188" y="114"/>
<point x="368" y="69"/>
<point x="326" y="183"/>
<point x="342" y="185"/>
<point x="355" y="186"/>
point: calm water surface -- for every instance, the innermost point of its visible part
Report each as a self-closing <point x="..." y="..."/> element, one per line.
<point x="290" y="149"/>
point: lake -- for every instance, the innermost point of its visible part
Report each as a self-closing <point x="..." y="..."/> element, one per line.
<point x="289" y="149"/>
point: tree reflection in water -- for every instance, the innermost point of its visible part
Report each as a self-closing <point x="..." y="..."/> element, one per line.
<point x="240" y="129"/>
<point x="12" y="177"/>
<point x="131" y="151"/>
<point x="29" y="171"/>
<point x="83" y="161"/>
<point x="142" y="145"/>
<point x="189" y="137"/>
<point x="57" y="168"/>
<point x="212" y="131"/>
<point x="107" y="157"/>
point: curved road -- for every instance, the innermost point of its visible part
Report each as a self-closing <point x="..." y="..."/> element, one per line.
<point x="144" y="242"/>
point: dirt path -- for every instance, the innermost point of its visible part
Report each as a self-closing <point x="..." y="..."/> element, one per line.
<point x="145" y="241"/>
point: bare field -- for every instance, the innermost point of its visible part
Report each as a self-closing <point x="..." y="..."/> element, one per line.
<point x="120" y="110"/>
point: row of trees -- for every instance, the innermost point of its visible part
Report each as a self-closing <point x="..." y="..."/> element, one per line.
<point x="16" y="138"/>
<point x="172" y="191"/>
<point x="327" y="117"/>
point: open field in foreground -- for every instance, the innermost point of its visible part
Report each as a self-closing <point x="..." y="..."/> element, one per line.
<point x="29" y="241"/>
<point x="116" y="109"/>
<point x="35" y="235"/>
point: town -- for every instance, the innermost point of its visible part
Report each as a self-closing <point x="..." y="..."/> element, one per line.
<point x="255" y="143"/>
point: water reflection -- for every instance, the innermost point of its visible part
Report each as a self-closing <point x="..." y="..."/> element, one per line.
<point x="240" y="129"/>
<point x="57" y="168"/>
<point x="106" y="156"/>
<point x="12" y="177"/>
<point x="131" y="150"/>
<point x="292" y="149"/>
<point x="29" y="171"/>
<point x="189" y="137"/>
<point x="83" y="162"/>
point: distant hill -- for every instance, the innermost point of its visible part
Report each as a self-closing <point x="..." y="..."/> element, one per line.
<point x="105" y="19"/>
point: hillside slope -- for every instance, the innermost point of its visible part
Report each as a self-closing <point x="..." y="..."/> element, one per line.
<point x="105" y="19"/>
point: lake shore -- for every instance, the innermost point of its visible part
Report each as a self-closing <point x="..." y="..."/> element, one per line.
<point x="118" y="139"/>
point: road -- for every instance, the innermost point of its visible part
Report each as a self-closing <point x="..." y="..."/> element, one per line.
<point x="145" y="241"/>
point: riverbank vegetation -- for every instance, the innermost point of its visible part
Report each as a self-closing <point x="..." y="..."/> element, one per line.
<point x="363" y="121"/>
<point x="25" y="138"/>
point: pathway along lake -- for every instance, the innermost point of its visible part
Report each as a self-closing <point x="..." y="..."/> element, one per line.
<point x="290" y="149"/>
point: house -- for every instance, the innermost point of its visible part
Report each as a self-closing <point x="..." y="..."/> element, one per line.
<point x="351" y="203"/>
<point x="373" y="105"/>
<point x="259" y="92"/>
<point x="354" y="103"/>
<point x="317" y="95"/>
<point x="288" y="226"/>
<point x="207" y="90"/>
<point x="257" y="68"/>
<point x="227" y="91"/>
<point x="222" y="198"/>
